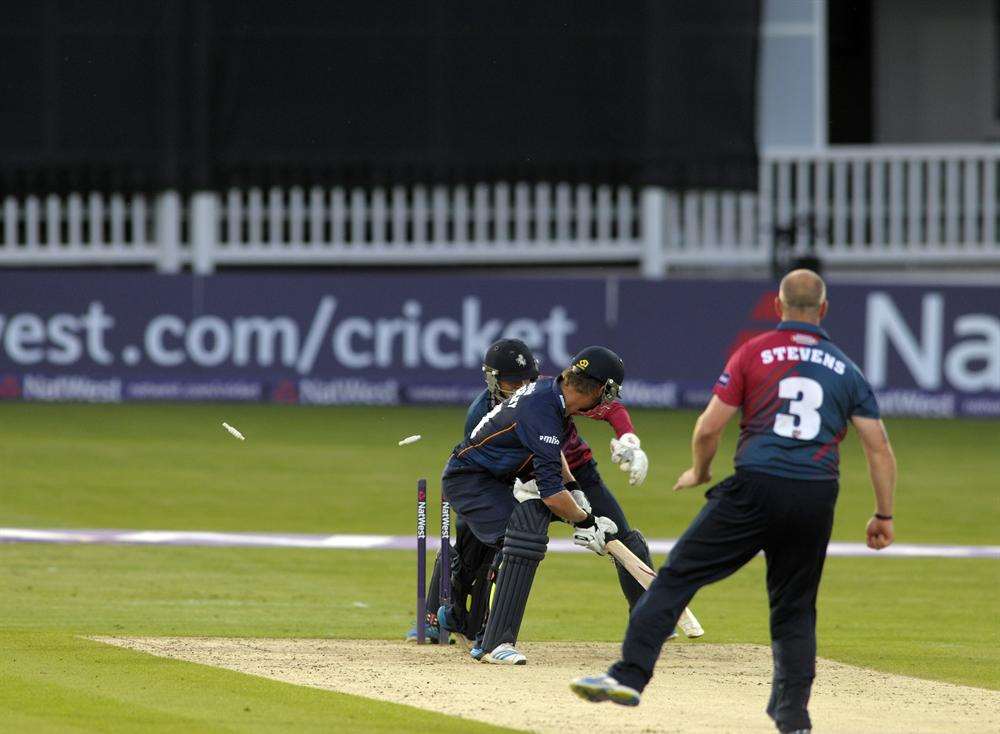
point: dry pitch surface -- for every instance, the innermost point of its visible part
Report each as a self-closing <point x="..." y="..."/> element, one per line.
<point x="698" y="687"/>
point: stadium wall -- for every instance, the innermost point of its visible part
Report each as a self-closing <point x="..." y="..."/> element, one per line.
<point x="410" y="339"/>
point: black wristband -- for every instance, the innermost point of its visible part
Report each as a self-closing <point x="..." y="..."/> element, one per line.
<point x="572" y="486"/>
<point x="882" y="517"/>
<point x="587" y="522"/>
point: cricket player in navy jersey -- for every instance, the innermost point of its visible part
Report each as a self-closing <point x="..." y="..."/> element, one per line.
<point x="798" y="393"/>
<point x="508" y="365"/>
<point x="522" y="437"/>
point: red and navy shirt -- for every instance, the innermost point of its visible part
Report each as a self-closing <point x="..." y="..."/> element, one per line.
<point x="797" y="392"/>
<point x="578" y="451"/>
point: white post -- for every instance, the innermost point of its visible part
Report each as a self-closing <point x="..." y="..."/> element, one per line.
<point x="765" y="204"/>
<point x="168" y="232"/>
<point x="820" y="80"/>
<point x="204" y="230"/>
<point x="652" y="203"/>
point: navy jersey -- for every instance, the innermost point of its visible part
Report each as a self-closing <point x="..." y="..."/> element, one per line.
<point x="574" y="448"/>
<point x="524" y="429"/>
<point x="478" y="408"/>
<point x="797" y="392"/>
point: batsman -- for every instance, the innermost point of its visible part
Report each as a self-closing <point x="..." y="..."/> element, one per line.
<point x="522" y="437"/>
<point x="509" y="365"/>
<point x="504" y="372"/>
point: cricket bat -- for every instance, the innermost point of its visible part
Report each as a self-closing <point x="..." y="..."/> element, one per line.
<point x="644" y="575"/>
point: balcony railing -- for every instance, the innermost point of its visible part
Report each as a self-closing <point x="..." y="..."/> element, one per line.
<point x="847" y="205"/>
<point x="884" y="204"/>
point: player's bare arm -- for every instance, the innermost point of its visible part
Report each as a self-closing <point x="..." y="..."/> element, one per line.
<point x="882" y="471"/>
<point x="563" y="505"/>
<point x="570" y="504"/>
<point x="567" y="473"/>
<point x="705" y="443"/>
<point x="580" y="393"/>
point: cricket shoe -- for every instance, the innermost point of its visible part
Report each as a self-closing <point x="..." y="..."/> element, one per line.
<point x="477" y="651"/>
<point x="449" y="624"/>
<point x="504" y="654"/>
<point x="431" y="633"/>
<point x="605" y="688"/>
<point x="689" y="624"/>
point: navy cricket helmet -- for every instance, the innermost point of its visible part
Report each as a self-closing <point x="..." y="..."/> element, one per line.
<point x="508" y="360"/>
<point x="602" y="366"/>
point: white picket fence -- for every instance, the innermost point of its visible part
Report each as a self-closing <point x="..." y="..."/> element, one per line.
<point x="439" y="225"/>
<point x="851" y="205"/>
<point x="884" y="204"/>
<point x="119" y="229"/>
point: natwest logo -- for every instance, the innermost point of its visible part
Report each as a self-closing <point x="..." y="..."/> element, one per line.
<point x="971" y="364"/>
<point x="10" y="387"/>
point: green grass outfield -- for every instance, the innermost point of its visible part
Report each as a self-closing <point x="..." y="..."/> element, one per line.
<point x="339" y="470"/>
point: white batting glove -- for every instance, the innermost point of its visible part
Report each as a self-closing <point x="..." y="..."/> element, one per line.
<point x="581" y="500"/>
<point x="596" y="536"/>
<point x="625" y="452"/>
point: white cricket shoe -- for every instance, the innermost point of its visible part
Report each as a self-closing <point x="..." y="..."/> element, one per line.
<point x="689" y="624"/>
<point x="504" y="654"/>
<point x="600" y="688"/>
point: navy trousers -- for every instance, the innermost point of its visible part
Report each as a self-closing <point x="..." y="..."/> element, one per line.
<point x="790" y="520"/>
<point x="482" y="501"/>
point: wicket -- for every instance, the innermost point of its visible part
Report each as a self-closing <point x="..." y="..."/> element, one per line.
<point x="421" y="559"/>
<point x="444" y="585"/>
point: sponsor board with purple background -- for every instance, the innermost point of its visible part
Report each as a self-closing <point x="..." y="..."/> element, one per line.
<point x="392" y="339"/>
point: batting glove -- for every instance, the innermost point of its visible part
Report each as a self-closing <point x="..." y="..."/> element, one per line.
<point x="578" y="496"/>
<point x="594" y="533"/>
<point x="581" y="499"/>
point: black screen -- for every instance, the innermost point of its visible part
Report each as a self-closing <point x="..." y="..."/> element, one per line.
<point x="214" y="93"/>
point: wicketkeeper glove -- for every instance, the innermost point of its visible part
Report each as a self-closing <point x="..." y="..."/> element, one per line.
<point x="625" y="452"/>
<point x="594" y="533"/>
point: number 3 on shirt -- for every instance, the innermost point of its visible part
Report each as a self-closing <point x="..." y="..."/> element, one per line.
<point x="806" y="396"/>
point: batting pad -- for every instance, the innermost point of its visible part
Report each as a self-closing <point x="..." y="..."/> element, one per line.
<point x="523" y="548"/>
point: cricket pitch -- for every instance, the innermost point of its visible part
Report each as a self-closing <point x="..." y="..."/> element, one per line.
<point x="698" y="687"/>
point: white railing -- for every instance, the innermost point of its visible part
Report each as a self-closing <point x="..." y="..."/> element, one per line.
<point x="850" y="205"/>
<point x="95" y="229"/>
<point x="882" y="204"/>
<point x="401" y="225"/>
